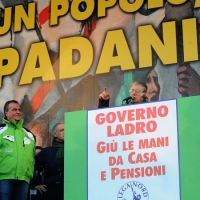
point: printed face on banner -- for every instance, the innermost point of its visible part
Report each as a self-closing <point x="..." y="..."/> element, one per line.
<point x="133" y="152"/>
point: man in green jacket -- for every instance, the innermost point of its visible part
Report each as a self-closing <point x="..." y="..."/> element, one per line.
<point x="17" y="146"/>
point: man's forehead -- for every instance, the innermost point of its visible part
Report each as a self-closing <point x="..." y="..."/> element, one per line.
<point x="13" y="105"/>
<point x="60" y="126"/>
<point x="136" y="86"/>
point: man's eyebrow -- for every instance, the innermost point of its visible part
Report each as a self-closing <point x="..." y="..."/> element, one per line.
<point x="16" y="109"/>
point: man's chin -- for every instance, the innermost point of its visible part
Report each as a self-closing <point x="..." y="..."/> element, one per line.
<point x="17" y="120"/>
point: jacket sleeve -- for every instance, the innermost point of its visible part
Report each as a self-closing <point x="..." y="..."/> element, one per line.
<point x="103" y="103"/>
<point x="39" y="160"/>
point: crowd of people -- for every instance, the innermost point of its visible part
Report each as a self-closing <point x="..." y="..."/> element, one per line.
<point x="31" y="172"/>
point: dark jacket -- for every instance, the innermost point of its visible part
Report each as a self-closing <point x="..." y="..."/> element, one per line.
<point x="105" y="103"/>
<point x="53" y="176"/>
<point x="46" y="160"/>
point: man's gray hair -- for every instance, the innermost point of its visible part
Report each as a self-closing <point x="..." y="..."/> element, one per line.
<point x="144" y="86"/>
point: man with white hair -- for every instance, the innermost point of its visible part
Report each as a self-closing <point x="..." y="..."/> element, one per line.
<point x="51" y="160"/>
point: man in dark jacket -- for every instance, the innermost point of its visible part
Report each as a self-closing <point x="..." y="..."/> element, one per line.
<point x="137" y="93"/>
<point x="51" y="159"/>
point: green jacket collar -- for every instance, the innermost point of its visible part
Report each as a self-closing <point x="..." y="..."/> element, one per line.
<point x="14" y="123"/>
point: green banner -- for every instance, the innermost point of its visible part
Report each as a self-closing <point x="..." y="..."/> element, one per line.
<point x="189" y="141"/>
<point x="189" y="151"/>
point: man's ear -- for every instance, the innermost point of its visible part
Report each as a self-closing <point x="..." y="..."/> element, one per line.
<point x="55" y="134"/>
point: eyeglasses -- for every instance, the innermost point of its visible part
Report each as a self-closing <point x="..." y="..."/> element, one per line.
<point x="136" y="91"/>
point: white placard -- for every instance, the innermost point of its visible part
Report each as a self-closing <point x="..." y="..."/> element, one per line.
<point x="133" y="152"/>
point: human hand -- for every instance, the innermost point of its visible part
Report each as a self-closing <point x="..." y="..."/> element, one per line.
<point x="41" y="188"/>
<point x="104" y="95"/>
<point x="178" y="12"/>
<point x="188" y="81"/>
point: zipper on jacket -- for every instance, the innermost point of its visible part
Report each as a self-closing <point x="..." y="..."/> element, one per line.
<point x="14" y="125"/>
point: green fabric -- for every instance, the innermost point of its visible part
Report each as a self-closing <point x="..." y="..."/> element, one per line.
<point x="75" y="156"/>
<point x="17" y="151"/>
<point x="189" y="147"/>
<point x="60" y="152"/>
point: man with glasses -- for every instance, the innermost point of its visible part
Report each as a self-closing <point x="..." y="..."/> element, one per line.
<point x="137" y="92"/>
